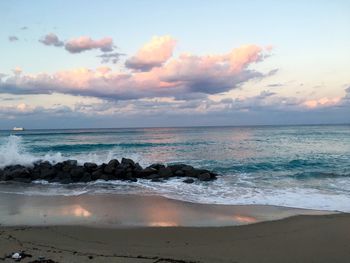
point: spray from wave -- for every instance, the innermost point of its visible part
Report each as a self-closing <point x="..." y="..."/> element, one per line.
<point x="13" y="151"/>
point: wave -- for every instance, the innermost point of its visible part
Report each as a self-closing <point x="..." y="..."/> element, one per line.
<point x="104" y="146"/>
<point x="13" y="151"/>
<point x="281" y="165"/>
<point x="319" y="175"/>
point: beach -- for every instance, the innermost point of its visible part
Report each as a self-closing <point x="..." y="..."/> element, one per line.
<point x="304" y="238"/>
<point x="131" y="228"/>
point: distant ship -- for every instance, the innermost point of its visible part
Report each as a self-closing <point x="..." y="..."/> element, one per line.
<point x="18" y="129"/>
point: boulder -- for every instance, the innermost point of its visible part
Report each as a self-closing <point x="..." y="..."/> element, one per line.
<point x="90" y="166"/>
<point x="165" y="172"/>
<point x="47" y="173"/>
<point x="76" y="173"/>
<point x="96" y="174"/>
<point x="127" y="162"/>
<point x="86" y="178"/>
<point x="204" y="177"/>
<point x="188" y="181"/>
<point x="157" y="166"/>
<point x="145" y="172"/>
<point x="68" y="165"/>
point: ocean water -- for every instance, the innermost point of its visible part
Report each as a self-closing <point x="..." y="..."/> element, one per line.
<point x="294" y="166"/>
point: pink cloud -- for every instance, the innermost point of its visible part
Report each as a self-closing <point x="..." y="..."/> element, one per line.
<point x="184" y="77"/>
<point x="84" y="43"/>
<point x="152" y="54"/>
<point x="323" y="102"/>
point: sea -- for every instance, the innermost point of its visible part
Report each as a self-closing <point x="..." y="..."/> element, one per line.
<point x="293" y="166"/>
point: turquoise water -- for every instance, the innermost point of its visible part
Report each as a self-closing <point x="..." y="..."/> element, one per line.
<point x="299" y="166"/>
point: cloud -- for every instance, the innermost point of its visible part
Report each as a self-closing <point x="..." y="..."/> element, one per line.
<point x="84" y="43"/>
<point x="185" y="77"/>
<point x="323" y="102"/>
<point x="24" y="28"/>
<point x="152" y="54"/>
<point x="51" y="40"/>
<point x="13" y="38"/>
<point x="110" y="57"/>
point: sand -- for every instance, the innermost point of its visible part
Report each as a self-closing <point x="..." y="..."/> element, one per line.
<point x="303" y="238"/>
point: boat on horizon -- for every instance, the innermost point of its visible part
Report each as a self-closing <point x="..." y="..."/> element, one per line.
<point x="18" y="129"/>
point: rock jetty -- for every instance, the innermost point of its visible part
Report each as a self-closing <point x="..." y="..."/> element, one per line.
<point x="70" y="171"/>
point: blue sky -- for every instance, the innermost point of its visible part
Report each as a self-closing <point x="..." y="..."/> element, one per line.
<point x="286" y="59"/>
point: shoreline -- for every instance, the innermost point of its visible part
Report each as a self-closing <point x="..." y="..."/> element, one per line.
<point x="303" y="238"/>
<point x="127" y="210"/>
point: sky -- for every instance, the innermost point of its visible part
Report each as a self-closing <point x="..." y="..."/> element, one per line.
<point x="97" y="64"/>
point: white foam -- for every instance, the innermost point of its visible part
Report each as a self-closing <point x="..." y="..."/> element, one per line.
<point x="12" y="151"/>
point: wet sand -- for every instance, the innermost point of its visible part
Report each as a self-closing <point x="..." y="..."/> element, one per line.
<point x="130" y="228"/>
<point x="323" y="238"/>
<point x="116" y="211"/>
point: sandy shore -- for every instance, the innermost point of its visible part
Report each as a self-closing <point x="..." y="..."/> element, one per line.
<point x="323" y="238"/>
<point x="118" y="211"/>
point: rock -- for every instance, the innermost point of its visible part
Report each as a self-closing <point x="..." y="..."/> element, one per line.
<point x="154" y="176"/>
<point x="96" y="174"/>
<point x="156" y="166"/>
<point x="15" y="172"/>
<point x="179" y="173"/>
<point x="104" y="177"/>
<point x="127" y="162"/>
<point x="47" y="173"/>
<point x="165" y="172"/>
<point x="86" y="178"/>
<point x="176" y="167"/>
<point x="188" y="181"/>
<point x="77" y="173"/>
<point x="90" y="166"/>
<point x="113" y="162"/>
<point x="138" y="167"/>
<point x="69" y="165"/>
<point x="145" y="172"/>
<point x="58" y="166"/>
<point x="204" y="177"/>
<point x="62" y="176"/>
<point x="69" y="171"/>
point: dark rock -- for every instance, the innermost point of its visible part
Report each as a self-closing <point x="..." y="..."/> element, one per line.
<point x="145" y="172"/>
<point x="127" y="162"/>
<point x="62" y="176"/>
<point x="157" y="166"/>
<point x="69" y="165"/>
<point x="86" y="178"/>
<point x="154" y="176"/>
<point x="69" y="171"/>
<point x="47" y="173"/>
<point x="15" y="172"/>
<point x="165" y="172"/>
<point x="96" y="174"/>
<point x="138" y="167"/>
<point x="104" y="177"/>
<point x="204" y="177"/>
<point x="113" y="162"/>
<point x="176" y="167"/>
<point x="58" y="166"/>
<point x="188" y="181"/>
<point x="120" y="172"/>
<point x="90" y="166"/>
<point x="179" y="173"/>
<point x="76" y="173"/>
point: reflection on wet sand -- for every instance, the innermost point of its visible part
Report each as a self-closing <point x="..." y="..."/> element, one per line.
<point x="75" y="210"/>
<point x="130" y="210"/>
